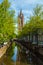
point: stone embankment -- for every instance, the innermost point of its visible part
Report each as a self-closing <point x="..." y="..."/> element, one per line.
<point x="3" y="49"/>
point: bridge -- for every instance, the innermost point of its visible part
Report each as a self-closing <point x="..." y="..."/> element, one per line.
<point x="36" y="51"/>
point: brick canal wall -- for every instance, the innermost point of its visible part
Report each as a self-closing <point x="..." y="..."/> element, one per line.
<point x="3" y="49"/>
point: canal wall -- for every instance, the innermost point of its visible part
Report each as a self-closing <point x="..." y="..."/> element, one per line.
<point x="3" y="49"/>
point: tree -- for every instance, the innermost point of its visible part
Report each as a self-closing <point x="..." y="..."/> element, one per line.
<point x="7" y="26"/>
<point x="35" y="22"/>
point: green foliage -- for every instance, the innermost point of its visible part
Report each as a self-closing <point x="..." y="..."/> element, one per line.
<point x="10" y="51"/>
<point x="37" y="10"/>
<point x="7" y="26"/>
<point x="35" y="22"/>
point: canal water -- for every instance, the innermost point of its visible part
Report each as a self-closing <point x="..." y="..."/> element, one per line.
<point x="13" y="61"/>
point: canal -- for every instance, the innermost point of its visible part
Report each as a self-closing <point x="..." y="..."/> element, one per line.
<point x="5" y="60"/>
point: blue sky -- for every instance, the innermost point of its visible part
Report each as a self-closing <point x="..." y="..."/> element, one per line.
<point x="26" y="6"/>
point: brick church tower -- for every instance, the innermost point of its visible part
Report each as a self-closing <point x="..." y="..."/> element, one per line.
<point x="20" y="20"/>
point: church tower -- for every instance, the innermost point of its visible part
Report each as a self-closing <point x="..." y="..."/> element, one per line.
<point x="20" y="20"/>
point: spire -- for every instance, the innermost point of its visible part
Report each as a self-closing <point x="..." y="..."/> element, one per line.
<point x="20" y="20"/>
<point x="20" y="11"/>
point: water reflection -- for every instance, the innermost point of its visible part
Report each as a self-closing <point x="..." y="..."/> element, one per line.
<point x="6" y="61"/>
<point x="15" y="54"/>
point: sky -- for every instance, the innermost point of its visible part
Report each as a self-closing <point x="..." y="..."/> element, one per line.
<point x="26" y="6"/>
